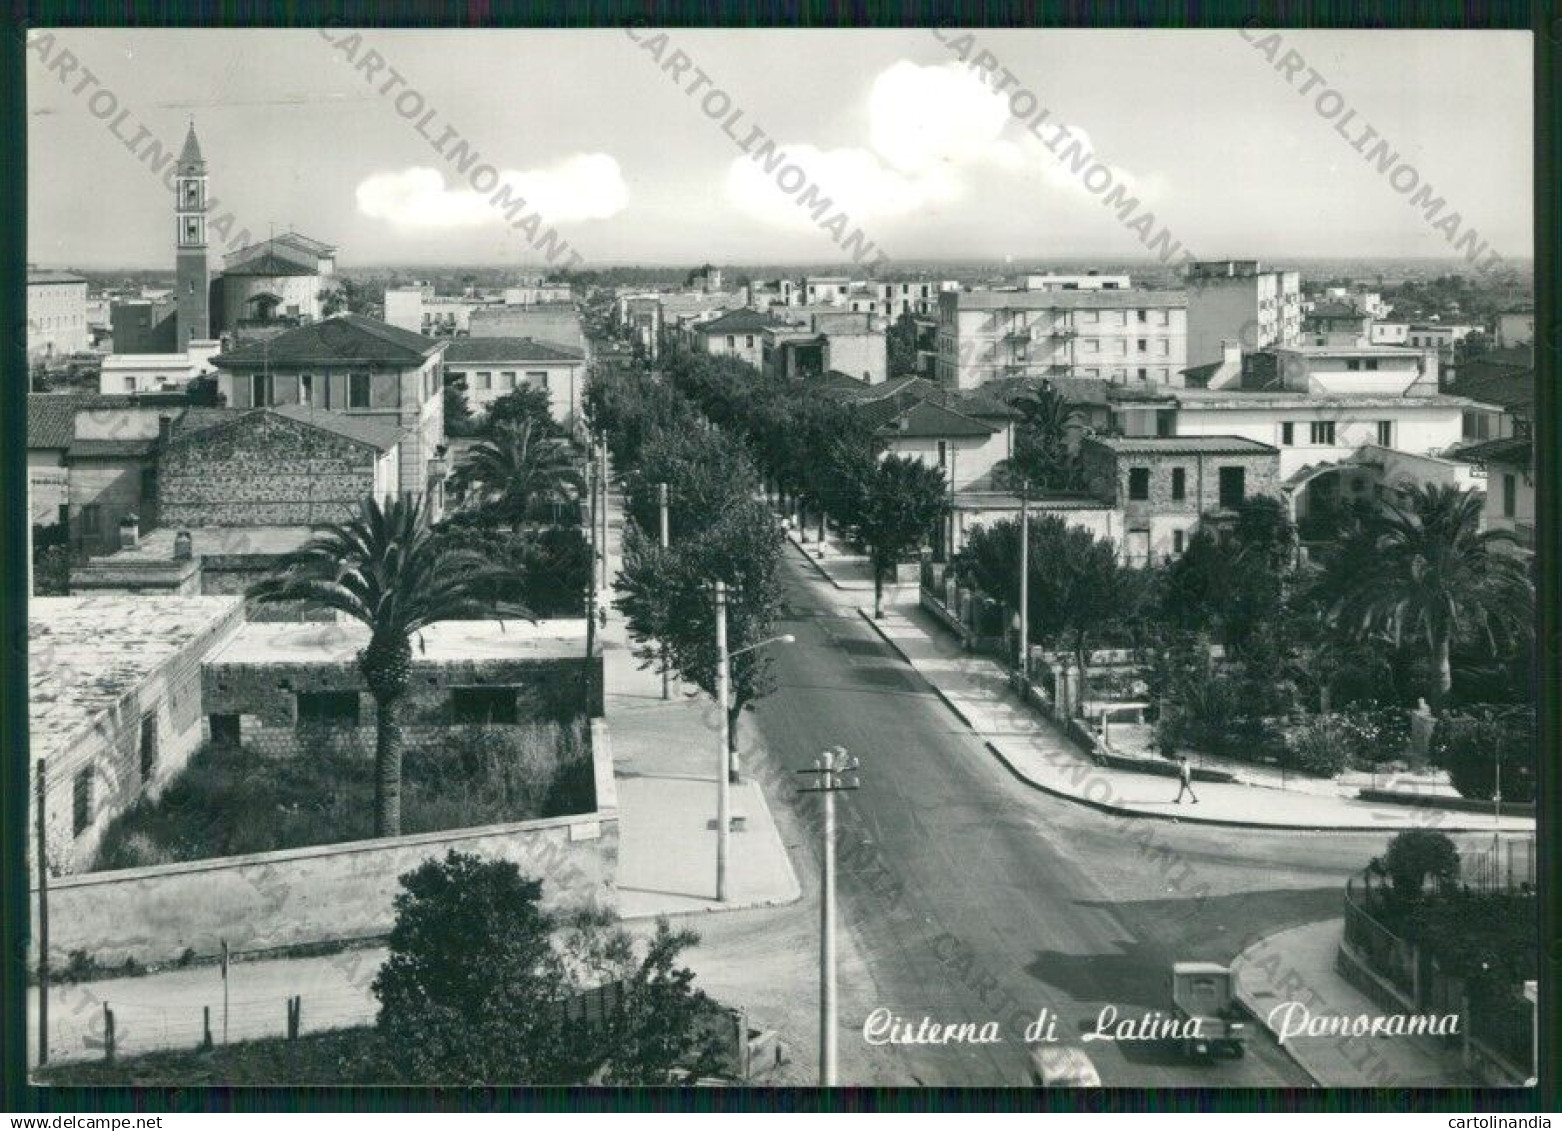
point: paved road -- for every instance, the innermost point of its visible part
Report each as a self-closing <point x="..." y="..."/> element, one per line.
<point x="972" y="897"/>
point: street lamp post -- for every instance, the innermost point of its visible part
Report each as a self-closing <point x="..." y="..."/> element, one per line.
<point x="834" y="771"/>
<point x="726" y="763"/>
<point x="661" y="500"/>
<point x="1024" y="583"/>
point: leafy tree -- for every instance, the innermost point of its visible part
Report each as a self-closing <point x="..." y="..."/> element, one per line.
<point x="897" y="504"/>
<point x="546" y="571"/>
<point x="1428" y="571"/>
<point x="458" y="416"/>
<point x="203" y="391"/>
<point x="1472" y="748"/>
<point x="667" y="599"/>
<point x="1233" y="582"/>
<point x="1415" y="854"/>
<point x="519" y="466"/>
<point x="900" y="343"/>
<point x="479" y="980"/>
<point x="51" y="568"/>
<point x="707" y="473"/>
<point x="1079" y="590"/>
<point x="383" y="569"/>
<point x="526" y="405"/>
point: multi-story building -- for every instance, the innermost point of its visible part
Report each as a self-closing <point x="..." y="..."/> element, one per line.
<point x="1090" y="281"/>
<point x="1338" y="369"/>
<point x="490" y="368"/>
<point x="1388" y="333"/>
<point x="1236" y="300"/>
<point x="1164" y="486"/>
<point x="737" y="333"/>
<point x="357" y="367"/>
<point x="1121" y="336"/>
<point x="1335" y="323"/>
<point x="555" y="323"/>
<point x="56" y="314"/>
<point x="1508" y="469"/>
<point x="842" y="342"/>
<point x="1439" y="336"/>
<point x="284" y="280"/>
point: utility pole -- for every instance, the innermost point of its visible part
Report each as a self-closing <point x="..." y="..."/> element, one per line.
<point x="834" y="772"/>
<point x="591" y="580"/>
<point x="1024" y="582"/>
<point x="602" y="487"/>
<point x="667" y="679"/>
<point x="723" y="676"/>
<point x="43" y="921"/>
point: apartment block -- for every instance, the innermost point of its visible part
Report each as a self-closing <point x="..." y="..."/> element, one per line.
<point x="1236" y="300"/>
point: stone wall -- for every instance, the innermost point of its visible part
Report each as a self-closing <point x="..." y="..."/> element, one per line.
<point x="262" y="470"/>
<point x="321" y="894"/>
<point x="267" y="693"/>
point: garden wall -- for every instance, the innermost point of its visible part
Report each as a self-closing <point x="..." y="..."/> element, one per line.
<point x="320" y="894"/>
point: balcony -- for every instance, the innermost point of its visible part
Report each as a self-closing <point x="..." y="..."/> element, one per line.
<point x="1064" y="332"/>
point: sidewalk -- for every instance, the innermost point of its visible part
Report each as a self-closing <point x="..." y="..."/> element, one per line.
<point x="1297" y="965"/>
<point x="1036" y="751"/>
<point x="665" y="759"/>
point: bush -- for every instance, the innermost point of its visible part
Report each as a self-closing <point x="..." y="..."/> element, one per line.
<point x="1415" y="854"/>
<point x="1321" y="747"/>
<point x="1470" y="748"/>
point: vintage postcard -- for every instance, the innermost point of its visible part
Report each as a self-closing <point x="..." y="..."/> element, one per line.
<point x="973" y="557"/>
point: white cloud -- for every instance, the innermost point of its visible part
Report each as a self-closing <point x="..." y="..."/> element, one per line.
<point x="586" y="186"/>
<point x="931" y="130"/>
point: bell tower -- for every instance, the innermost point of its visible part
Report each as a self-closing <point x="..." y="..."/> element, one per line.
<point x="194" y="316"/>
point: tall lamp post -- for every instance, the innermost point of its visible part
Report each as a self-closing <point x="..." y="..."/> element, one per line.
<point x="726" y="772"/>
<point x="661" y="500"/>
<point x="834" y="771"/>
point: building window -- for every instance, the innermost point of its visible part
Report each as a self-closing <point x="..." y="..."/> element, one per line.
<point x="357" y="390"/>
<point x="1143" y="345"/>
<point x="1144" y="316"/>
<point x="81" y="801"/>
<point x="328" y="708"/>
<point x="259" y="390"/>
<point x="148" y="747"/>
<point x="91" y="519"/>
<point x="1322" y="432"/>
<point x="485" y="380"/>
<point x="1386" y="433"/>
<point x="1477" y="426"/>
<point x="749" y="342"/>
<point x="1178" y="538"/>
<point x="1510" y="495"/>
<point x="478" y="705"/>
<point x="1138" y="483"/>
<point x="537" y="380"/>
<point x="732" y="341"/>
<point x="1353" y="366"/>
<point x="1179" y="484"/>
<point x="943" y="453"/>
<point x="306" y="389"/>
<point x="1287" y="433"/>
<point x="1143" y="373"/>
<point x="1233" y="487"/>
<point x="1165" y="422"/>
<point x="130" y="384"/>
<point x="1372" y="365"/>
<point x="507" y="381"/>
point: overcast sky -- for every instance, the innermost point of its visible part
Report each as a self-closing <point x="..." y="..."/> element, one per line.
<point x="927" y="161"/>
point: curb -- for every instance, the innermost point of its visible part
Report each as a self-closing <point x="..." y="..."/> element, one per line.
<point x="1237" y="963"/>
<point x="1136" y="814"/>
<point x="824" y="573"/>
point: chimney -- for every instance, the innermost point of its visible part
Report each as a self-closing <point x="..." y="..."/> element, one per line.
<point x="129" y="531"/>
<point x="183" y="546"/>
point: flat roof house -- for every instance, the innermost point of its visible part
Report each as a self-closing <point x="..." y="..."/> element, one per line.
<point x="490" y="368"/>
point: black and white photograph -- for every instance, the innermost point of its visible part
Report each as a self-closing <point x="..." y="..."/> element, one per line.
<point x="661" y="556"/>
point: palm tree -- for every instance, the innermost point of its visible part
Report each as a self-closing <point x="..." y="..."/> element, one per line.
<point x="384" y="568"/>
<point x="517" y="466"/>
<point x="1430" y="571"/>
<point x="1041" y="453"/>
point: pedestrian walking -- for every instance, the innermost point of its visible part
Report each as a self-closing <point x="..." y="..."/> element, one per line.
<point x="1185" y="779"/>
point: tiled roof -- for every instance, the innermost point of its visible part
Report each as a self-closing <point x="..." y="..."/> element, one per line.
<point x="378" y="432"/>
<point x="1515" y="451"/>
<point x="51" y="417"/>
<point x="1511" y="386"/>
<point x="269" y="264"/>
<point x="1166" y="445"/>
<point x="744" y="320"/>
<point x="508" y="349"/>
<point x="110" y="449"/>
<point x="344" y="338"/>
<point x="926" y="420"/>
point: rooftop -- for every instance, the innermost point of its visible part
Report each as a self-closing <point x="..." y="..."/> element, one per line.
<point x="36" y="277"/>
<point x="1513" y="451"/>
<point x="338" y="642"/>
<point x="1336" y="310"/>
<point x="85" y="654"/>
<point x="217" y="541"/>
<point x="1129" y="299"/>
<point x="925" y="419"/>
<point x="1265" y="399"/>
<point x="269" y="263"/>
<point x="744" y="320"/>
<point x="1171" y="445"/>
<point x="341" y="338"/>
<point x="508" y="349"/>
<point x="51" y="417"/>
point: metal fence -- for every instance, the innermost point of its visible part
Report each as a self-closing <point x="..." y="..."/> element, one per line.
<point x="1389" y="956"/>
<point x="1508" y="866"/>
